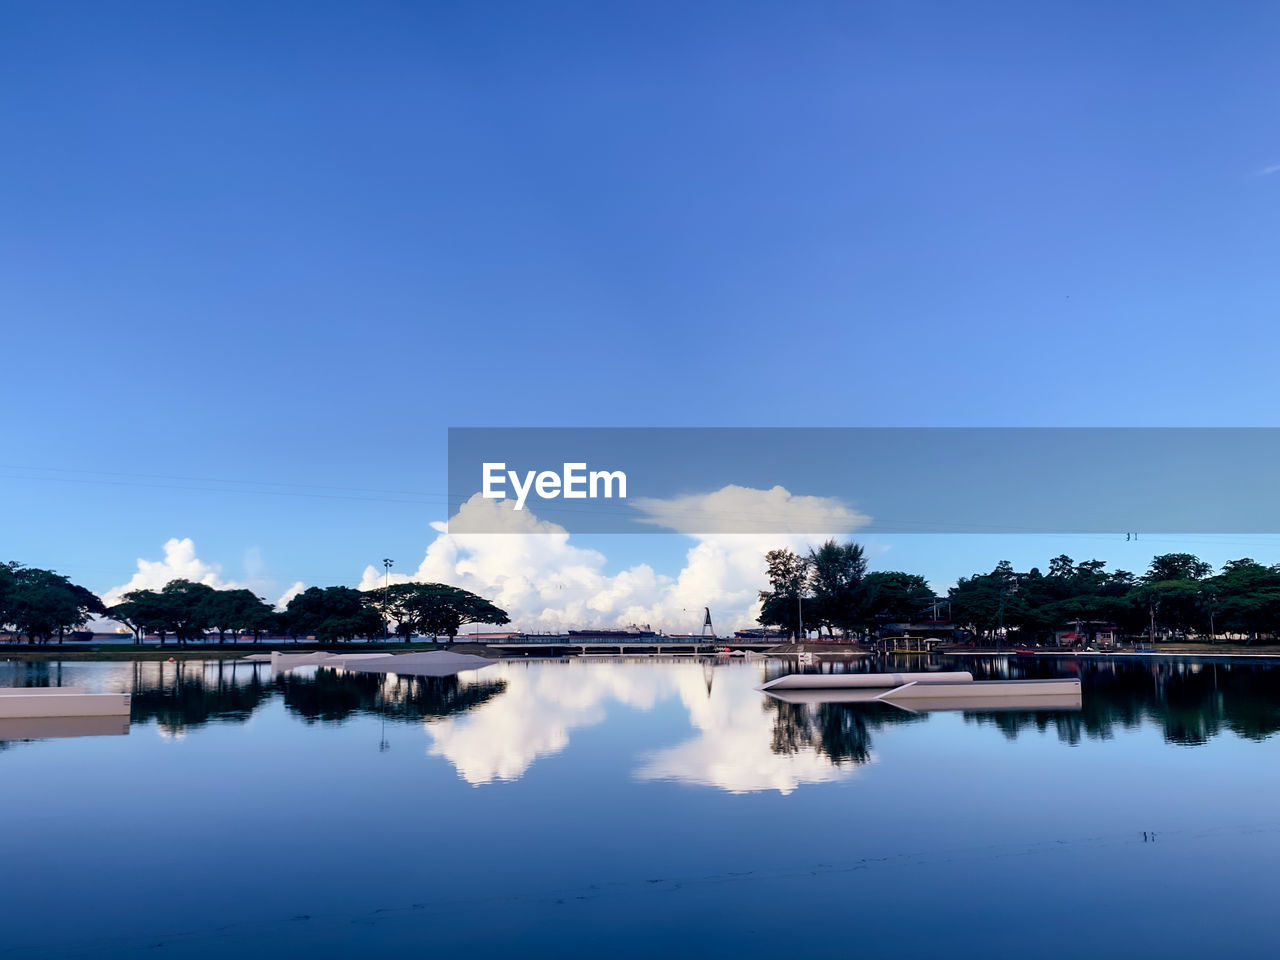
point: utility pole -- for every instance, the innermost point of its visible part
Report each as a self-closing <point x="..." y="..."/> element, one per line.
<point x="387" y="563"/>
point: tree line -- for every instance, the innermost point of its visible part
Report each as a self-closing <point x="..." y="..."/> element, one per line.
<point x="41" y="605"/>
<point x="830" y="590"/>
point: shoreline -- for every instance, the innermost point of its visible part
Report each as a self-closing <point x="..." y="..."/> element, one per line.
<point x="206" y="651"/>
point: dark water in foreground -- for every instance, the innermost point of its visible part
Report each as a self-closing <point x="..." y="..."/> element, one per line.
<point x="630" y="809"/>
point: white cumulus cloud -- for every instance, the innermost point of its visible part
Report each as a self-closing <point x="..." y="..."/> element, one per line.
<point x="547" y="583"/>
<point x="289" y="594"/>
<point x="180" y="563"/>
<point x="732" y="509"/>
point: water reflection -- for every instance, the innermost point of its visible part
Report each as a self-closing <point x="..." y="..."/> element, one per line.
<point x="704" y="723"/>
<point x="332" y="696"/>
<point x="735" y="744"/>
<point x="747" y="743"/>
<point x="176" y="696"/>
<point x="544" y="703"/>
<point x="1191" y="703"/>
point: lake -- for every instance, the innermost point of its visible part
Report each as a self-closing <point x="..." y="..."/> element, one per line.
<point x="630" y="808"/>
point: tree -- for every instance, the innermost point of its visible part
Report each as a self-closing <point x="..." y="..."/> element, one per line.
<point x="140" y="611"/>
<point x="1243" y="598"/>
<point x="238" y="611"/>
<point x="8" y="584"/>
<point x="1177" y="566"/>
<point x="43" y="604"/>
<point x="185" y="609"/>
<point x="983" y="601"/>
<point x="788" y="575"/>
<point x="1171" y="592"/>
<point x="332" y="614"/>
<point x="437" y="608"/>
<point x="893" y="597"/>
<point x="836" y="572"/>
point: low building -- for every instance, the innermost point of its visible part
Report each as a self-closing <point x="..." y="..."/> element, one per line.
<point x="1088" y="633"/>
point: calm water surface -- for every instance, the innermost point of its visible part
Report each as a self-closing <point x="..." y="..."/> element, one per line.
<point x="631" y="808"/>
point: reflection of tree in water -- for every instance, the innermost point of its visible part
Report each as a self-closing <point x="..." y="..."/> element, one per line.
<point x="333" y="695"/>
<point x="1191" y="702"/>
<point x="192" y="693"/>
<point x="1067" y="725"/>
<point x="839" y="731"/>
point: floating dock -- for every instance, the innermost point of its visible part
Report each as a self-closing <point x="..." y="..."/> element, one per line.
<point x="432" y="663"/>
<point x="863" y="681"/>
<point x="927" y="691"/>
<point x="18" y="703"/>
<point x="987" y="695"/>
<point x="57" y="728"/>
<point x="983" y="689"/>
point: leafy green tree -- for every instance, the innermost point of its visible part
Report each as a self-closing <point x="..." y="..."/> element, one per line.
<point x="185" y="609"/>
<point x="1171" y="592"/>
<point x="43" y="604"/>
<point x="332" y="614"/>
<point x="238" y="611"/>
<point x="437" y="608"/>
<point x="1177" y="566"/>
<point x="140" y="611"/>
<point x="8" y="584"/>
<point x="981" y="602"/>
<point x="1244" y="598"/>
<point x="836" y="572"/>
<point x="781" y="606"/>
<point x="892" y="596"/>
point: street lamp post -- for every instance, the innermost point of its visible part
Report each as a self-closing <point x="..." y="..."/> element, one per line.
<point x="387" y="563"/>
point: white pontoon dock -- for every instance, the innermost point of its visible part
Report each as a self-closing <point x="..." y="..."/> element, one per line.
<point x="431" y="663"/>
<point x="27" y="702"/>
<point x="927" y="691"/>
<point x="846" y="681"/>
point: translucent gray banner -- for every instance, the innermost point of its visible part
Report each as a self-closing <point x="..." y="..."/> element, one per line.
<point x="841" y="480"/>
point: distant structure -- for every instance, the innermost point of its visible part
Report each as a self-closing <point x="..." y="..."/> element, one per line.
<point x="707" y="629"/>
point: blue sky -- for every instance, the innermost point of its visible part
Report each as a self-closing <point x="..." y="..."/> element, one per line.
<point x="280" y="248"/>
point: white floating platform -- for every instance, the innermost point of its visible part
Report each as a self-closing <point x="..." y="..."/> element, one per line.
<point x="432" y="663"/>
<point x="837" y="695"/>
<point x="56" y="728"/>
<point x="838" y="681"/>
<point x="984" y="695"/>
<point x="986" y="703"/>
<point x="1028" y="690"/>
<point x="25" y="702"/>
<point x="989" y="704"/>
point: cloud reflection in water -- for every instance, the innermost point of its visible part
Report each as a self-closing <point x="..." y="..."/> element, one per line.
<point x="737" y="746"/>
